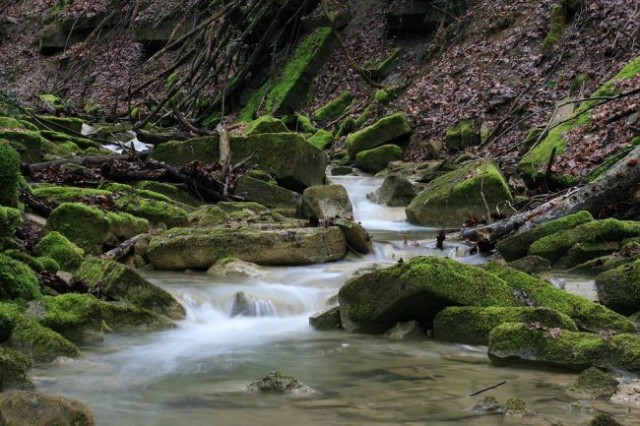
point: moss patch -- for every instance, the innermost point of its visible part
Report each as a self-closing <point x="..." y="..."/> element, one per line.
<point x="57" y="247"/>
<point x="334" y="108"/>
<point x="462" y="136"/>
<point x="17" y="280"/>
<point x="322" y="139"/>
<point x="383" y="131"/>
<point x="14" y="366"/>
<point x="376" y="159"/>
<point x="10" y="219"/>
<point x="9" y="175"/>
<point x="619" y="288"/>
<point x="265" y="124"/>
<point x="179" y="153"/>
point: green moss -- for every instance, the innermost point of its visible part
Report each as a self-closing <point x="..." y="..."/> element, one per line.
<point x="467" y="192"/>
<point x="10" y="123"/>
<point x="63" y="138"/>
<point x="265" y="124"/>
<point x="254" y="104"/>
<point x="25" y="258"/>
<point x="10" y="220"/>
<point x="179" y="153"/>
<point x="517" y="246"/>
<point x="334" y="108"/>
<point x="303" y="124"/>
<point x="515" y="405"/>
<point x="57" y="247"/>
<point x="236" y="206"/>
<point x="531" y="264"/>
<point x="619" y="288"/>
<point x="89" y="227"/>
<point x="461" y="136"/>
<point x="366" y="114"/>
<point x="376" y="159"/>
<point x="557" y="26"/>
<point x="9" y="174"/>
<point x="169" y="191"/>
<point x="208" y="216"/>
<point x="583" y="252"/>
<point x="472" y="325"/>
<point x="39" y="342"/>
<point x="383" y="131"/>
<point x="594" y="383"/>
<point x="65" y="194"/>
<point x="382" y="97"/>
<point x="65" y="124"/>
<point x="346" y="127"/>
<point x="554" y="246"/>
<point x="322" y="139"/>
<point x="532" y="291"/>
<point x="14" y="366"/>
<point x="17" y="280"/>
<point x="29" y="143"/>
<point x="380" y="70"/>
<point x="49" y="264"/>
<point x="604" y="419"/>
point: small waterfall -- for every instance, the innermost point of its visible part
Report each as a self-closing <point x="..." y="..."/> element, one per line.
<point x="250" y="306"/>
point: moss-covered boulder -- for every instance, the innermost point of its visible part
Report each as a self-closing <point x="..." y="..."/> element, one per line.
<point x="171" y="191"/>
<point x="27" y="142"/>
<point x="187" y="248"/>
<point x="59" y="248"/>
<point x="334" y="108"/>
<point x="587" y="315"/>
<point x="580" y="253"/>
<point x="207" y="216"/>
<point x="24" y="257"/>
<point x="90" y="228"/>
<point x="594" y="383"/>
<point x="17" y="280"/>
<point x="553" y="247"/>
<point x="119" y="282"/>
<point x="179" y="153"/>
<point x="10" y="219"/>
<point x="517" y="246"/>
<point x="462" y="136"/>
<point x="382" y="132"/>
<point x="322" y="139"/>
<point x="265" y="193"/>
<point x="265" y="124"/>
<point x="376" y="159"/>
<point x="25" y="408"/>
<point x="417" y="290"/>
<point x="395" y="191"/>
<point x="472" y="325"/>
<point x="474" y="190"/>
<point x="533" y="344"/>
<point x="14" y="366"/>
<point x="619" y="288"/>
<point x="9" y="175"/>
<point x="531" y="264"/>
<point x="325" y="202"/>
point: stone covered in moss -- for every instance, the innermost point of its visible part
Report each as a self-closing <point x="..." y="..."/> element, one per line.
<point x="474" y="190"/>
<point x="265" y="124"/>
<point x="382" y="132"/>
<point x="89" y="227"/>
<point x="265" y="193"/>
<point x="10" y="123"/>
<point x="334" y="108"/>
<point x="169" y="191"/>
<point x="179" y="153"/>
<point x="187" y="248"/>
<point x="10" y="219"/>
<point x="472" y="325"/>
<point x="619" y="288"/>
<point x="325" y="202"/>
<point x="417" y="290"/>
<point x="533" y="291"/>
<point x="14" y="366"/>
<point x="604" y="419"/>
<point x="376" y="159"/>
<point x="59" y="248"/>
<point x="153" y="210"/>
<point x="206" y="216"/>
<point x="557" y="26"/>
<point x="462" y="136"/>
<point x="322" y="139"/>
<point x="28" y="142"/>
<point x="9" y="175"/>
<point x="237" y="206"/>
<point x="26" y="258"/>
<point x="32" y="408"/>
<point x="531" y="264"/>
<point x="583" y="252"/>
<point x="594" y="383"/>
<point x="119" y="282"/>
<point x="17" y="280"/>
<point x="553" y="247"/>
<point x="517" y="246"/>
<point x="67" y="194"/>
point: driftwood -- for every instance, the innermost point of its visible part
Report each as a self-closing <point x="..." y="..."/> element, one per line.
<point x="612" y="187"/>
<point x="122" y="250"/>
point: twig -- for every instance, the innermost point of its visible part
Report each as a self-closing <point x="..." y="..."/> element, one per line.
<point x="478" y="392"/>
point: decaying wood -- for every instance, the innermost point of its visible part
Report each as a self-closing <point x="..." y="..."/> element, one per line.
<point x="122" y="250"/>
<point x="615" y="185"/>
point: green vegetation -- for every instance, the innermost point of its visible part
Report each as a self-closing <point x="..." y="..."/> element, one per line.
<point x="13" y="370"/>
<point x="619" y="288"/>
<point x="383" y="131"/>
<point x="179" y="153"/>
<point x="462" y="136"/>
<point x="594" y="383"/>
<point x="265" y="124"/>
<point x="557" y="26"/>
<point x="17" y="280"/>
<point x="9" y="176"/>
<point x="57" y="247"/>
<point x="322" y="139"/>
<point x="10" y="219"/>
<point x="334" y="108"/>
<point x="376" y="159"/>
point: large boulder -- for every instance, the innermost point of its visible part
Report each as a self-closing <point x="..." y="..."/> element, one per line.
<point x="119" y="282"/>
<point x="265" y="124"/>
<point x="474" y="190"/>
<point x="417" y="290"/>
<point x="266" y="193"/>
<point x="619" y="288"/>
<point x="326" y="319"/>
<point x="90" y="228"/>
<point x="17" y="280"/>
<point x="358" y="239"/>
<point x="472" y="325"/>
<point x="517" y="246"/>
<point x="382" y="132"/>
<point x="59" y="248"/>
<point x="395" y="191"/>
<point x="26" y="408"/>
<point x="186" y="248"/>
<point x="375" y="159"/>
<point x="179" y="153"/>
<point x="325" y="202"/>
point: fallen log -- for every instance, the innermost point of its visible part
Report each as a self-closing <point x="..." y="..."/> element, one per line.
<point x="614" y="186"/>
<point x="122" y="250"/>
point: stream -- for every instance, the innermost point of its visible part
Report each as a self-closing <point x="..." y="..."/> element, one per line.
<point x="196" y="374"/>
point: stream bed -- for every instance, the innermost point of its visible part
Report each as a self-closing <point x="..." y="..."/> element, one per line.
<point x="196" y="374"/>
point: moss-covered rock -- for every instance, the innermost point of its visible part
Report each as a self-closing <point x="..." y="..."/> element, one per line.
<point x="325" y="202"/>
<point x="322" y="139"/>
<point x="583" y="252"/>
<point x="395" y="191"/>
<point x="67" y="194"/>
<point x="265" y="124"/>
<point x="169" y="191"/>
<point x="89" y="227"/>
<point x="376" y="159"/>
<point x="10" y="219"/>
<point x="17" y="280"/>
<point x="13" y="370"/>
<point x="25" y="408"/>
<point x="27" y="142"/>
<point x="604" y="419"/>
<point x="517" y="246"/>
<point x="9" y="175"/>
<point x="554" y="246"/>
<point x="382" y="132"/>
<point x="619" y="288"/>
<point x="334" y="108"/>
<point x="179" y="153"/>
<point x="48" y="264"/>
<point x="26" y="258"/>
<point x="587" y="315"/>
<point x="462" y="136"/>
<point x="65" y="124"/>
<point x="474" y="190"/>
<point x="358" y="239"/>
<point x="472" y="325"/>
<point x="265" y="193"/>
<point x="59" y="248"/>
<point x="594" y="383"/>
<point x="531" y="264"/>
<point x="557" y="26"/>
<point x="187" y="248"/>
<point x="119" y="282"/>
<point x="237" y="206"/>
<point x="10" y="123"/>
<point x="417" y="290"/>
<point x="207" y="216"/>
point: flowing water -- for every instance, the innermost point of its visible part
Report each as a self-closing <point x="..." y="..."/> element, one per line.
<point x="196" y="374"/>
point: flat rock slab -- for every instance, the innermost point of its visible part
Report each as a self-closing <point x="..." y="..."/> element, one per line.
<point x="190" y="248"/>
